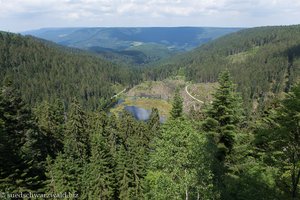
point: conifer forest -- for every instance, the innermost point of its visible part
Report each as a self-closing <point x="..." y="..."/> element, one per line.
<point x="59" y="136"/>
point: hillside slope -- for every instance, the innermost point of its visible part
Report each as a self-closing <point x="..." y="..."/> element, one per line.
<point x="121" y="38"/>
<point x="45" y="71"/>
<point x="263" y="61"/>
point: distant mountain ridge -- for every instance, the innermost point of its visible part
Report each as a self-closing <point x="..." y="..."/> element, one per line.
<point x="148" y="43"/>
<point x="185" y="37"/>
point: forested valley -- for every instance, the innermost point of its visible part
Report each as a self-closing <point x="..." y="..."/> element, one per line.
<point x="45" y="71"/>
<point x="263" y="62"/>
<point x="58" y="136"/>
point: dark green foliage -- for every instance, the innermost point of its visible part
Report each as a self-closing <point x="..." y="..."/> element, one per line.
<point x="222" y="126"/>
<point x="154" y="119"/>
<point x="177" y="106"/>
<point x="66" y="171"/>
<point x="76" y="135"/>
<point x="224" y="116"/>
<point x="45" y="71"/>
<point x="21" y="145"/>
<point x="154" y="123"/>
<point x="99" y="173"/>
<point x="108" y="157"/>
<point x="110" y="165"/>
<point x="247" y="177"/>
<point x="65" y="175"/>
<point x="178" y="166"/>
<point x="51" y="121"/>
<point x="131" y="157"/>
<point x="278" y="139"/>
<point x="124" y="177"/>
<point x="253" y="181"/>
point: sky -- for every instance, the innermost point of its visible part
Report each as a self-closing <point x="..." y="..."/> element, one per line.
<point x="22" y="15"/>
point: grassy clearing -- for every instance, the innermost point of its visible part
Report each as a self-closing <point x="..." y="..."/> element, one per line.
<point x="163" y="106"/>
<point x="159" y="94"/>
<point x="157" y="89"/>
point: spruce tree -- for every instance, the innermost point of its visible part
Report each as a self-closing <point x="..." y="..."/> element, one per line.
<point x="64" y="175"/>
<point x="77" y="138"/>
<point x="137" y="164"/>
<point x="123" y="174"/>
<point x="111" y="133"/>
<point x="98" y="175"/>
<point x="278" y="139"/>
<point x="21" y="152"/>
<point x="154" y="121"/>
<point x="224" y="116"/>
<point x="50" y="119"/>
<point x="178" y="168"/>
<point x="177" y="105"/>
<point x="66" y="172"/>
<point x="131" y="157"/>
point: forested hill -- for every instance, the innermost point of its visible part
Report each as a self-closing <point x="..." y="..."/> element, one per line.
<point x="263" y="61"/>
<point x="132" y="45"/>
<point x="118" y="38"/>
<point x="45" y="71"/>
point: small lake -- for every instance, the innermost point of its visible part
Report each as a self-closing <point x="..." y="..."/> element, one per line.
<point x="141" y="113"/>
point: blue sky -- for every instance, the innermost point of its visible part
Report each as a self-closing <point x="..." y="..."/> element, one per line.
<point x="21" y="15"/>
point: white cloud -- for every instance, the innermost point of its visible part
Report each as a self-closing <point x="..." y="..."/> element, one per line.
<point x="28" y="14"/>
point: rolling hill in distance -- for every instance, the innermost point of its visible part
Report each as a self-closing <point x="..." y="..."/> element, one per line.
<point x="137" y="46"/>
